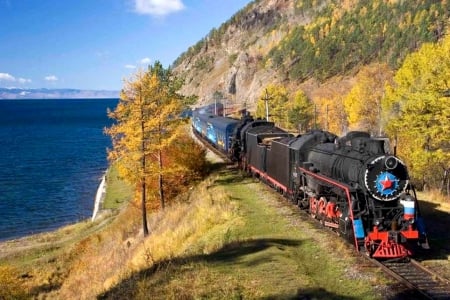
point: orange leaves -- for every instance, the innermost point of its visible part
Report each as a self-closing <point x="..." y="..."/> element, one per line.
<point x="146" y="131"/>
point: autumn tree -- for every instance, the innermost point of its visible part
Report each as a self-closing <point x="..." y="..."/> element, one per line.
<point x="300" y="112"/>
<point x="363" y="102"/>
<point x="146" y="123"/>
<point x="330" y="113"/>
<point x="417" y="112"/>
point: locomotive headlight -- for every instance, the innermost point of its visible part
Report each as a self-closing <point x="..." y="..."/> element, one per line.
<point x="390" y="162"/>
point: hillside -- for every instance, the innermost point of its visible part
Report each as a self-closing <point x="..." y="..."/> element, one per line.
<point x="315" y="46"/>
<point x="228" y="238"/>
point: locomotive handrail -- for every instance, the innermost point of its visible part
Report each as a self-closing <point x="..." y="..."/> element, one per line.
<point x="345" y="187"/>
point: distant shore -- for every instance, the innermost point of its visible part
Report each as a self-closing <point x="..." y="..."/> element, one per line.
<point x="19" y="93"/>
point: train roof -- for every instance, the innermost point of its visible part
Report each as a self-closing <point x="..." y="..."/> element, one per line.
<point x="218" y="121"/>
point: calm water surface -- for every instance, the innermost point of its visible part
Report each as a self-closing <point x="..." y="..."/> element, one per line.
<point x="52" y="158"/>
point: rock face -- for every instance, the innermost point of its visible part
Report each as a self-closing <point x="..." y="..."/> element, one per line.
<point x="230" y="64"/>
<point x="291" y="42"/>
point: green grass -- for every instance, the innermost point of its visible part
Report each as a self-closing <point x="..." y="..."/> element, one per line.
<point x="266" y="251"/>
<point x="118" y="191"/>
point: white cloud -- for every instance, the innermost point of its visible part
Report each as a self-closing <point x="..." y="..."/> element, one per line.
<point x="145" y="61"/>
<point x="7" y="77"/>
<point x="158" y="7"/>
<point x="51" y="78"/>
<point x="130" y="66"/>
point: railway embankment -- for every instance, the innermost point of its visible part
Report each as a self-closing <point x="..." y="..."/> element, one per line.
<point x="228" y="237"/>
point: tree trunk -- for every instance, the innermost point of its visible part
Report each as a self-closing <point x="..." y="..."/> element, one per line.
<point x="161" y="190"/>
<point x="144" y="208"/>
<point x="143" y="185"/>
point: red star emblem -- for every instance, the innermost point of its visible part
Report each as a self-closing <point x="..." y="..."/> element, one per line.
<point x="386" y="183"/>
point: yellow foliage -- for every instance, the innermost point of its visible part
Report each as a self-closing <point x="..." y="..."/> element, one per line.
<point x="417" y="112"/>
<point x="330" y="114"/>
<point x="277" y="99"/>
<point x="146" y="124"/>
<point x="363" y="102"/>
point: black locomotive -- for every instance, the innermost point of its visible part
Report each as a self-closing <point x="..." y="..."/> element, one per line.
<point x="351" y="184"/>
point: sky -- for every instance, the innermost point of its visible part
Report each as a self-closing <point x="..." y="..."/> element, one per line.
<point x="96" y="44"/>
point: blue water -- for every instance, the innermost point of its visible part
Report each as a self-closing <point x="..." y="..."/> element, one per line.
<point x="52" y="158"/>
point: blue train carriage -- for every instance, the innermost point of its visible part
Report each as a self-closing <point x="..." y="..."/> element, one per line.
<point x="200" y="119"/>
<point x="216" y="130"/>
<point x="221" y="129"/>
<point x="197" y="123"/>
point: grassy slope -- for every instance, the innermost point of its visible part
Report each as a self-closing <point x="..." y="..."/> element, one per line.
<point x="229" y="237"/>
<point x="118" y="191"/>
<point x="261" y="250"/>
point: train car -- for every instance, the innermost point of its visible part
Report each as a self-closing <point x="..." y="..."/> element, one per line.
<point x="216" y="130"/>
<point x="198" y="124"/>
<point x="263" y="156"/>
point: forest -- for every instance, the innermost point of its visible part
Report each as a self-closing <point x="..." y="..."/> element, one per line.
<point x="348" y="34"/>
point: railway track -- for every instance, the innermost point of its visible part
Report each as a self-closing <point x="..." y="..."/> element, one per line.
<point x="417" y="278"/>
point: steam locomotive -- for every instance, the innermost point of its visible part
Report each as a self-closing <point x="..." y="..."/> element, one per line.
<point x="351" y="184"/>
